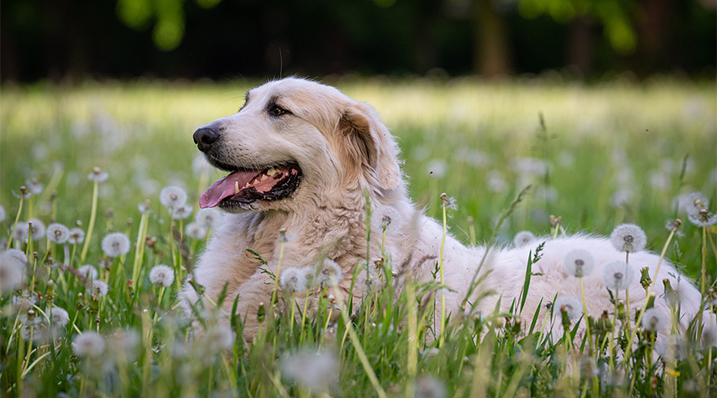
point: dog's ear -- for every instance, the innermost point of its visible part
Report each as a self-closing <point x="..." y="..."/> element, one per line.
<point x="370" y="146"/>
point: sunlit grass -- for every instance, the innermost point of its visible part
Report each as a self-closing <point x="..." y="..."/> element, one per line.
<point x="596" y="156"/>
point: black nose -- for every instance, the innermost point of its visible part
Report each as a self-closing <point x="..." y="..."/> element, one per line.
<point x="204" y="138"/>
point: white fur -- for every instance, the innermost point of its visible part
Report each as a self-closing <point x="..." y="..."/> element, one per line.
<point x="325" y="217"/>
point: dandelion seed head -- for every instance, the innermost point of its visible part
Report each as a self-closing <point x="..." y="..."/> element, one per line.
<point x="654" y="320"/>
<point x="24" y="301"/>
<point x="22" y="231"/>
<point x="628" y="238"/>
<point x="437" y="168"/>
<point x="588" y="368"/>
<point x="220" y="338"/>
<point x="709" y="332"/>
<point x="703" y="219"/>
<point x="496" y="182"/>
<point x="313" y="370"/>
<point x="34" y="331"/>
<point x="115" y="244"/>
<point x="17" y="254"/>
<point x="531" y="167"/>
<point x="691" y="203"/>
<point x="2" y="213"/>
<point x="60" y="317"/>
<point x="89" y="344"/>
<point x="99" y="288"/>
<point x="161" y="275"/>
<point x="88" y="271"/>
<point x="672" y="348"/>
<point x="523" y="238"/>
<point x="181" y="212"/>
<point x="207" y="218"/>
<point x="143" y="207"/>
<point x="172" y="197"/>
<point x="388" y="218"/>
<point x="58" y="233"/>
<point x="38" y="228"/>
<point x="123" y="344"/>
<point x="430" y="387"/>
<point x="579" y="263"/>
<point x="618" y="276"/>
<point x="97" y="175"/>
<point x="76" y="236"/>
<point x="12" y="272"/>
<point x="34" y="186"/>
<point x="294" y="279"/>
<point x="572" y="305"/>
<point x="329" y="272"/>
<point x="195" y="231"/>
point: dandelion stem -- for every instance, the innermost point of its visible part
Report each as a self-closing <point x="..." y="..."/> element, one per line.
<point x="14" y="224"/>
<point x="440" y="263"/>
<point x="412" y="339"/>
<point x="278" y="271"/>
<point x="91" y="225"/>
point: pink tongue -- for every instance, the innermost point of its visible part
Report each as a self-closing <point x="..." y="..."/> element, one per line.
<point x="225" y="187"/>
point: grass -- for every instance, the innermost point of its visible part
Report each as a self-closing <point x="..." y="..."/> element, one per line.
<point x="597" y="156"/>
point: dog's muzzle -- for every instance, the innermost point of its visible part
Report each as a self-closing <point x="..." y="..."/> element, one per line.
<point x="205" y="138"/>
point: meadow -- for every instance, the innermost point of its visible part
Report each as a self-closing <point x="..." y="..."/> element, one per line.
<point x="596" y="156"/>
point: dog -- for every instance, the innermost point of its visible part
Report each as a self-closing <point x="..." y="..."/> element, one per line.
<point x="303" y="159"/>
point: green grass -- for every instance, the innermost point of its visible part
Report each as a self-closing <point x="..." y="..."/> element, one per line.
<point x="465" y="138"/>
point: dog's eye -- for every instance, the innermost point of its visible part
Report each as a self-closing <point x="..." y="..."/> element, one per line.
<point x="276" y="110"/>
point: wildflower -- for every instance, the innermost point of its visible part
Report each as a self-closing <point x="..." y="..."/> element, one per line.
<point x="386" y="218"/>
<point x="313" y="370"/>
<point x="654" y="320"/>
<point x="59" y="317"/>
<point x="621" y="197"/>
<point x="449" y="202"/>
<point x="143" y="207"/>
<point x="34" y="331"/>
<point x="207" y="218"/>
<point x="628" y="238"/>
<point x="12" y="273"/>
<point x="97" y="175"/>
<point x="220" y="338"/>
<point x="115" y="244"/>
<point x="572" y="305"/>
<point x="293" y="279"/>
<point x="437" y="168"/>
<point x="182" y="212"/>
<point x="17" y="254"/>
<point x="88" y="344"/>
<point x="618" y="276"/>
<point x="329" y="273"/>
<point x="38" y="228"/>
<point x="24" y="301"/>
<point x="58" y="233"/>
<point x="674" y="224"/>
<point x="77" y="236"/>
<point x="88" y="271"/>
<point x="709" y="333"/>
<point x="430" y="387"/>
<point x="161" y="275"/>
<point x="579" y="263"/>
<point x="22" y="231"/>
<point x="673" y="348"/>
<point x="123" y="345"/>
<point x="703" y="219"/>
<point x="496" y="182"/>
<point x="24" y="193"/>
<point x="99" y="288"/>
<point x="195" y="231"/>
<point x="172" y="197"/>
<point x="34" y="186"/>
<point x="2" y="213"/>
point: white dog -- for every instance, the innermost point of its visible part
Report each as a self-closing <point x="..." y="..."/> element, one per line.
<point x="300" y="156"/>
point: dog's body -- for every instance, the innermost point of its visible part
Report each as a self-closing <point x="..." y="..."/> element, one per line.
<point x="330" y="150"/>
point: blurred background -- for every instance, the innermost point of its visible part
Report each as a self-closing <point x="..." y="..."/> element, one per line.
<point x="72" y="40"/>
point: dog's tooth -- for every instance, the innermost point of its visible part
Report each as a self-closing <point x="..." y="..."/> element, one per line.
<point x="236" y="187"/>
<point x="271" y="172"/>
<point x="264" y="177"/>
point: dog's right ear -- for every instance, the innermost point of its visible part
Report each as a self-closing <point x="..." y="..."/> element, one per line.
<point x="369" y="147"/>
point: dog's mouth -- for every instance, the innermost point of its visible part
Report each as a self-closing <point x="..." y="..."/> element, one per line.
<point x="242" y="187"/>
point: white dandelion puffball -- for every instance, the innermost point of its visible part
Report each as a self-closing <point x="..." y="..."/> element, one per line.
<point x="430" y="387"/>
<point x="386" y="217"/>
<point x="17" y="254"/>
<point x="60" y="317"/>
<point x="98" y="176"/>
<point x="709" y="333"/>
<point x="572" y="305"/>
<point x="2" y="214"/>
<point x="437" y="168"/>
<point x="182" y="212"/>
<point x="115" y="244"/>
<point x="195" y="231"/>
<point x="654" y="320"/>
<point x="22" y="231"/>
<point x="313" y="370"/>
<point x="579" y="263"/>
<point x="38" y="228"/>
<point x="89" y="344"/>
<point x="628" y="238"/>
<point x="88" y="271"/>
<point x="161" y="275"/>
<point x="58" y="233"/>
<point x="12" y="273"/>
<point x="172" y="197"/>
<point x="220" y="338"/>
<point x="703" y="219"/>
<point x="523" y="238"/>
<point x="77" y="236"/>
<point x="672" y="348"/>
<point x="207" y="218"/>
<point x="99" y="288"/>
<point x="293" y="279"/>
<point x="34" y="186"/>
<point x="329" y="272"/>
<point x="618" y="276"/>
<point x="691" y="203"/>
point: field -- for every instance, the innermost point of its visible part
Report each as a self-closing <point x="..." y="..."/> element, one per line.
<point x="596" y="156"/>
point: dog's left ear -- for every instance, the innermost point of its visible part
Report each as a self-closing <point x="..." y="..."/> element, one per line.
<point x="371" y="146"/>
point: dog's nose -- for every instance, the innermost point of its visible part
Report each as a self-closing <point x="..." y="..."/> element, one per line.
<point x="205" y="137"/>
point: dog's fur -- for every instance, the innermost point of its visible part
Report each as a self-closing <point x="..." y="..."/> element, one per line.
<point x="344" y="150"/>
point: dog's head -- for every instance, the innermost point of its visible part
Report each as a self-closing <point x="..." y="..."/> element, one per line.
<point x="294" y="138"/>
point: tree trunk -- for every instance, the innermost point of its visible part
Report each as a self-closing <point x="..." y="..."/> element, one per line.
<point x="580" y="47"/>
<point x="491" y="56"/>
